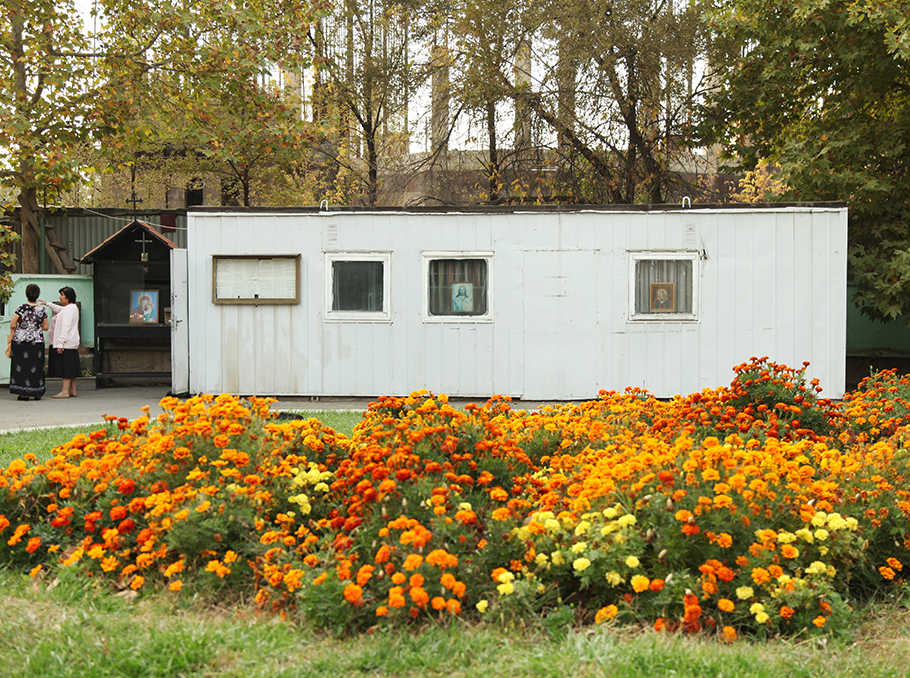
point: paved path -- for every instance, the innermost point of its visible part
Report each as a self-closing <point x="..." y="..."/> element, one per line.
<point x="90" y="406"/>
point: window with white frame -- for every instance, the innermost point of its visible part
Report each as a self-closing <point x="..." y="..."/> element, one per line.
<point x="664" y="285"/>
<point x="458" y="286"/>
<point x="357" y="286"/>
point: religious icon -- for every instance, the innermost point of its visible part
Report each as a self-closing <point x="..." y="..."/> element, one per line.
<point x="144" y="306"/>
<point x="662" y="297"/>
<point x="462" y="297"/>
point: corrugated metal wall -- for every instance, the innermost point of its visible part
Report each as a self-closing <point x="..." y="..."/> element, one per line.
<point x="772" y="282"/>
<point x="81" y="231"/>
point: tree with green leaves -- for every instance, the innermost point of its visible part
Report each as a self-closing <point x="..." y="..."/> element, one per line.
<point x="822" y="89"/>
<point x="63" y="88"/>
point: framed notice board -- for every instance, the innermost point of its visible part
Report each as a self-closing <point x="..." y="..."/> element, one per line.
<point x="259" y="279"/>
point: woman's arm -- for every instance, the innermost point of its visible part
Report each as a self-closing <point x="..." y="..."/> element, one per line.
<point x="13" y="324"/>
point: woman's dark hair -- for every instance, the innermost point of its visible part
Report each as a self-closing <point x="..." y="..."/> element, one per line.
<point x="32" y="292"/>
<point x="69" y="293"/>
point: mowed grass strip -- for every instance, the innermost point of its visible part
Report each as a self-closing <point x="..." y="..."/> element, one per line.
<point x="71" y="628"/>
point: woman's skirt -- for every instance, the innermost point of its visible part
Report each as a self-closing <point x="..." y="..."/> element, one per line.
<point x="26" y="376"/>
<point x="65" y="365"/>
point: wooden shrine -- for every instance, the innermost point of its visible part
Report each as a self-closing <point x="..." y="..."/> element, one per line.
<point x="132" y="292"/>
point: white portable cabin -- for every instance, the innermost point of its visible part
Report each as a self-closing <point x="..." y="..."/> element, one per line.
<point x="538" y="304"/>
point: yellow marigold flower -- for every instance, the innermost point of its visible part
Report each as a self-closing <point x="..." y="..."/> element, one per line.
<point x="482" y="606"/>
<point x="836" y="522"/>
<point x="744" y="592"/>
<point x="755" y="608"/>
<point x="582" y="528"/>
<point x="610" y="513"/>
<point x="762" y="617"/>
<point x="806" y="535"/>
<point x="821" y="534"/>
<point x="640" y="583"/>
<point x="613" y="578"/>
<point x="540" y="559"/>
<point x="786" y="537"/>
<point x="632" y="562"/>
<point x="627" y="520"/>
<point x="556" y="558"/>
<point x="506" y="588"/>
<point x="817" y="567"/>
<point x="820" y="519"/>
<point x="579" y="547"/>
<point x="581" y="564"/>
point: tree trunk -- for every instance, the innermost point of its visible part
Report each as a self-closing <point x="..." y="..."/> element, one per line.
<point x="31" y="238"/>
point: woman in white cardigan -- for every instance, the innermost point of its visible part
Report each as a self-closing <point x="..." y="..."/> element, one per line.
<point x="64" y="339"/>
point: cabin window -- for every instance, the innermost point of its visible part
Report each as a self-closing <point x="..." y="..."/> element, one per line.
<point x="457" y="287"/>
<point x="664" y="285"/>
<point x="357" y="287"/>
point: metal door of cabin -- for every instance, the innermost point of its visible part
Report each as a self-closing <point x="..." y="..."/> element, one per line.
<point x="560" y="325"/>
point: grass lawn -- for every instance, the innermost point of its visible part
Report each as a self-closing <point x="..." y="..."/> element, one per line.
<point x="70" y="629"/>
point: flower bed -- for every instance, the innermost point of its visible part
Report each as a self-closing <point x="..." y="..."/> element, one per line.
<point x="754" y="508"/>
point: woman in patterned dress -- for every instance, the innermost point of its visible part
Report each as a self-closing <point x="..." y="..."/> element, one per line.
<point x="25" y="347"/>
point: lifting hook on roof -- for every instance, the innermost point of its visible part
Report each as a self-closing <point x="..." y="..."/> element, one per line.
<point x="685" y="199"/>
<point x="324" y="202"/>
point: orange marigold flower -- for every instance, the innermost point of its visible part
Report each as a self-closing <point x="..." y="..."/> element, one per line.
<point x="399" y="578"/>
<point x="760" y="575"/>
<point x="33" y="545"/>
<point x="453" y="606"/>
<point x="501" y="514"/>
<point x="886" y="572"/>
<point x="412" y="562"/>
<point x="726" y="605"/>
<point x="789" y="551"/>
<point x="606" y="614"/>
<point x="443" y="559"/>
<point x="383" y="554"/>
<point x="657" y="585"/>
<point x="396" y="597"/>
<point x="660" y="624"/>
<point x="353" y="594"/>
<point x="419" y="596"/>
<point x="382" y="611"/>
<point x="137" y="582"/>
<point x="321" y="578"/>
<point x="416" y="580"/>
<point x="438" y="603"/>
<point x="819" y="621"/>
<point x="729" y="634"/>
<point x="895" y="564"/>
<point x="364" y="574"/>
<point x="786" y="612"/>
<point x="499" y="494"/>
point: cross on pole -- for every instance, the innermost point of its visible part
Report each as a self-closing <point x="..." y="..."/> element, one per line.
<point x="144" y="240"/>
